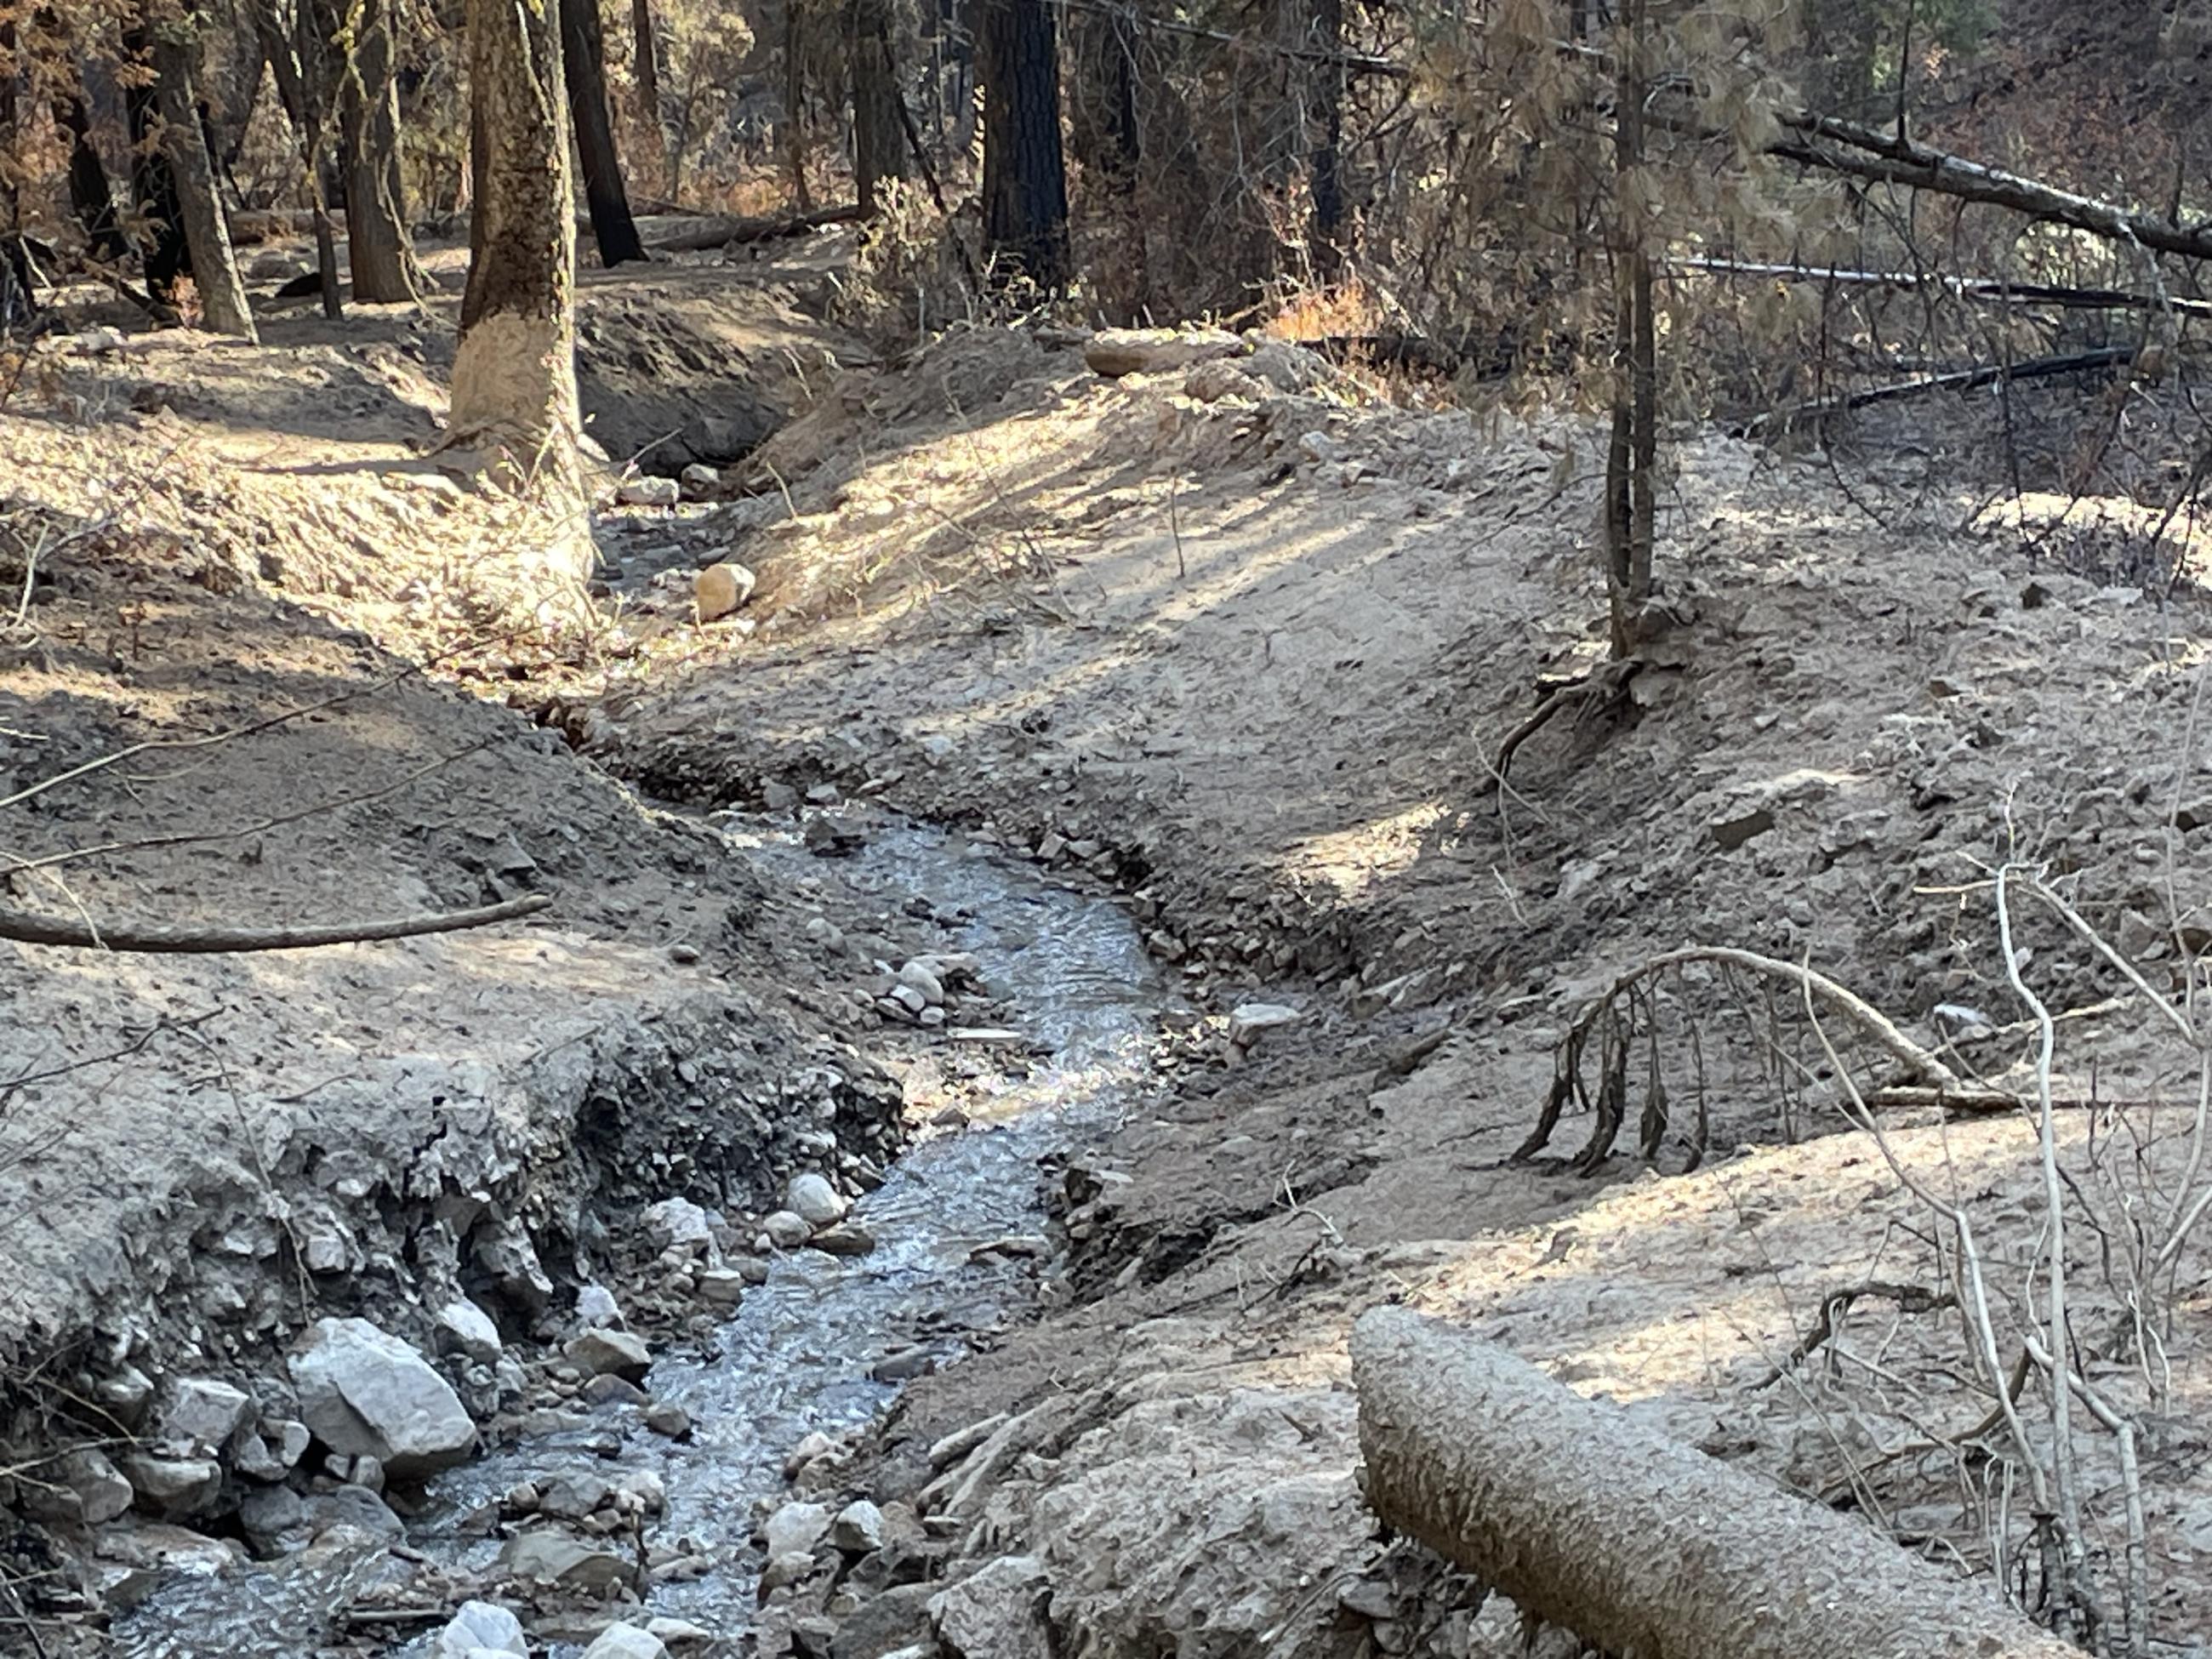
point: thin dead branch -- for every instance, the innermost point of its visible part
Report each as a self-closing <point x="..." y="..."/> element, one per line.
<point x="24" y="928"/>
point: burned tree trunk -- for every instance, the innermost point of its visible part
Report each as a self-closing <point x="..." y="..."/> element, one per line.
<point x="191" y="172"/>
<point x="1024" y="174"/>
<point x="878" y="133"/>
<point x="583" y="67"/>
<point x="793" y="132"/>
<point x="514" y="372"/>
<point x="646" y="49"/>
<point x="153" y="186"/>
<point x="1325" y="121"/>
<point x="1631" y="456"/>
<point x="1592" y="1523"/>
<point x="91" y="196"/>
<point x="378" y="248"/>
<point x="305" y="101"/>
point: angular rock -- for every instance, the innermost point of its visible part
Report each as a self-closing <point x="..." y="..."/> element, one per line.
<point x="903" y="1365"/>
<point x="547" y="1558"/>
<point x="1733" y="829"/>
<point x="1247" y="1020"/>
<point x="274" y="1521"/>
<point x="626" y="1642"/>
<point x="665" y="1417"/>
<point x="365" y="1393"/>
<point x="677" y="1223"/>
<point x="607" y="1387"/>
<point x="202" y="1413"/>
<point x="573" y="1496"/>
<point x="80" y="1486"/>
<point x="466" y="1329"/>
<point x="358" y="1509"/>
<point x="504" y="1252"/>
<point x="858" y="1529"/>
<point x="643" y="1490"/>
<point x="797" y="1528"/>
<point x="722" y="588"/>
<point x="596" y="1307"/>
<point x="787" y="1229"/>
<point x="603" y="1353"/>
<point x="723" y="1286"/>
<point x="125" y="1395"/>
<point x="847" y="1240"/>
<point x="997" y="1613"/>
<point x="648" y="491"/>
<point x="176" y="1486"/>
<point x="792" y="1568"/>
<point x="698" y="478"/>
<point x="481" y="1626"/>
<point x="679" y="1632"/>
<point x="815" y="1200"/>
<point x="898" y="1617"/>
<point x="918" y="975"/>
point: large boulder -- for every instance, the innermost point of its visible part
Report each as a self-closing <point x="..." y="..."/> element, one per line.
<point x="366" y="1394"/>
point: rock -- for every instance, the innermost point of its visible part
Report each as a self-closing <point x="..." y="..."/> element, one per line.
<point x="846" y="1240"/>
<point x="125" y="1395"/>
<point x="665" y="1417"/>
<point x="202" y="1413"/>
<point x="817" y="1202"/>
<point x="648" y="491"/>
<point x="996" y="1613"/>
<point x="812" y="1634"/>
<point x="99" y="342"/>
<point x="884" y="1623"/>
<point x="367" y="1472"/>
<point x="274" y="265"/>
<point x="677" y="1223"/>
<point x="904" y="1365"/>
<point x="547" y="1558"/>
<point x="858" y="1529"/>
<point x="504" y="1252"/>
<point x="482" y="1627"/>
<point x="721" y="589"/>
<point x="816" y="1444"/>
<point x="825" y="794"/>
<point x="918" y="975"/>
<point x="292" y="1440"/>
<point x="787" y="1229"/>
<point x="274" y="1521"/>
<point x="466" y="1329"/>
<point x="1114" y="352"/>
<point x="641" y="1491"/>
<point x="723" y="1286"/>
<point x="1318" y="446"/>
<point x="778" y="797"/>
<point x="596" y="1308"/>
<point x="82" y="1485"/>
<point x="793" y="1568"/>
<point x="602" y="1351"/>
<point x="1247" y="1020"/>
<point x="177" y="1485"/>
<point x="358" y="1509"/>
<point x="607" y="1387"/>
<point x="1732" y="829"/>
<point x="797" y="1528"/>
<point x="698" y="478"/>
<point x="679" y="1632"/>
<point x="365" y="1393"/>
<point x="626" y="1642"/>
<point x="1211" y="382"/>
<point x="572" y="1496"/>
<point x="957" y="1445"/>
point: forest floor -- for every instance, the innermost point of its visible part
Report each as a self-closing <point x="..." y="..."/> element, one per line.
<point x="1238" y="644"/>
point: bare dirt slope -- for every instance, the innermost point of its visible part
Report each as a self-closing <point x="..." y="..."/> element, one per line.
<point x="1251" y="651"/>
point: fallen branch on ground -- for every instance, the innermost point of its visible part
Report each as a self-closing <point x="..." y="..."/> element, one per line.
<point x="1592" y="1522"/>
<point x="1908" y="1299"/>
<point x="724" y="232"/>
<point x="1965" y="379"/>
<point x="25" y="927"/>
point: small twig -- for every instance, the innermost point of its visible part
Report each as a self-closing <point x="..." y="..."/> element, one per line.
<point x="25" y="928"/>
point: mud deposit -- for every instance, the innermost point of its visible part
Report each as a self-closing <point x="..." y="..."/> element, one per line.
<point x="808" y="1350"/>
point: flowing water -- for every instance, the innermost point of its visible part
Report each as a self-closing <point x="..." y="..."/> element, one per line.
<point x="797" y="1356"/>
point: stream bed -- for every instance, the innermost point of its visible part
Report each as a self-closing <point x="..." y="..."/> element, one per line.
<point x="798" y="1355"/>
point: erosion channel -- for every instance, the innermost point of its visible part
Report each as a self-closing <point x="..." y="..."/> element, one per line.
<point x="805" y="1351"/>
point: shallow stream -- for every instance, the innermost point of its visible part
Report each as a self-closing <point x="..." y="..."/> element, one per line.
<point x="796" y="1357"/>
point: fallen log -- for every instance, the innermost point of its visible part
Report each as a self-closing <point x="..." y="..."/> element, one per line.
<point x="1629" y="1539"/>
<point x="1964" y="379"/>
<point x="725" y="233"/>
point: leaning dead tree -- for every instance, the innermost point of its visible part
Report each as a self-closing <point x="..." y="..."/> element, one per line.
<point x="1591" y="1521"/>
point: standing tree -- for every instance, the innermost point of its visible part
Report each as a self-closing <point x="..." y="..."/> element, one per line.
<point x="514" y="372"/>
<point x="584" y="67"/>
<point x="191" y="172"/>
<point x="878" y="127"/>
<point x="1024" y="174"/>
<point x="1631" y="454"/>
<point x="645" y="47"/>
<point x="289" y="46"/>
<point x="378" y="248"/>
<point x="153" y="186"/>
<point x="1325" y="119"/>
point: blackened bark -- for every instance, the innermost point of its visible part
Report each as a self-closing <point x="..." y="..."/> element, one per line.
<point x="1101" y="112"/>
<point x="378" y="248"/>
<point x="1024" y="174"/>
<point x="644" y="46"/>
<point x="583" y="65"/>
<point x="91" y="196"/>
<point x="223" y="305"/>
<point x="1324" y="235"/>
<point x="153" y="186"/>
<point x="303" y="97"/>
<point x="794" y="102"/>
<point x="879" y="144"/>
